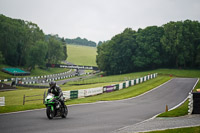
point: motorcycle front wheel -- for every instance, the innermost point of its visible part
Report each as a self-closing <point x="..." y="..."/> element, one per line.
<point x="49" y="112"/>
<point x="65" y="112"/>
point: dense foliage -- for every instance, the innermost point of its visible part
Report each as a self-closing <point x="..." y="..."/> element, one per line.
<point x="173" y="45"/>
<point x="79" y="41"/>
<point x="24" y="44"/>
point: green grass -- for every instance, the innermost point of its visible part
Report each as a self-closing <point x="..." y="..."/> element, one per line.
<point x="180" y="111"/>
<point x="82" y="55"/>
<point x="112" y="78"/>
<point x="87" y="86"/>
<point x="180" y="130"/>
<point x="16" y="97"/>
<point x="190" y="73"/>
<point x="123" y="77"/>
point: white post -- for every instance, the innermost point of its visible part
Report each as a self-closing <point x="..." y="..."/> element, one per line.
<point x="190" y="106"/>
<point x="2" y="101"/>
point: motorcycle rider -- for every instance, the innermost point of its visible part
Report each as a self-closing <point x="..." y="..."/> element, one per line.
<point x="56" y="90"/>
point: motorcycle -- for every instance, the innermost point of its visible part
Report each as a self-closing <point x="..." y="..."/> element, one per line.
<point x="54" y="107"/>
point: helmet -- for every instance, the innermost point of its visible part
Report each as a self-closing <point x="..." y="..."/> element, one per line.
<point x="52" y="84"/>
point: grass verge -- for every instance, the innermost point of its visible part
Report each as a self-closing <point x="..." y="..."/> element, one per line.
<point x="180" y="111"/>
<point x="180" y="130"/>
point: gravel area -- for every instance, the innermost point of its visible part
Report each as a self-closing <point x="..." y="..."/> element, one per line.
<point x="162" y="123"/>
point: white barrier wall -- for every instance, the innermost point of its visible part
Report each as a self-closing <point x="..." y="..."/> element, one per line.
<point x="66" y="94"/>
<point x="141" y="80"/>
<point x="120" y="86"/>
<point x="132" y="82"/>
<point x="2" y="101"/>
<point x="99" y="90"/>
<point x="81" y="93"/>
<point x="127" y="84"/>
<point x="145" y="78"/>
<point x="93" y="91"/>
<point x="137" y="81"/>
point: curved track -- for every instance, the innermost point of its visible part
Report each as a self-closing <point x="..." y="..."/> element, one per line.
<point x="101" y="117"/>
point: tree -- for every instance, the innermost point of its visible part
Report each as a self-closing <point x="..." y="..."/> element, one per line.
<point x="149" y="53"/>
<point x="115" y="56"/>
<point x="180" y="41"/>
<point x="23" y="43"/>
<point x="55" y="51"/>
<point x="1" y="58"/>
<point x="37" y="55"/>
<point x="172" y="42"/>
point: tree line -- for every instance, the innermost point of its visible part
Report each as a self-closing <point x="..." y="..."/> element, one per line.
<point x="173" y="45"/>
<point x="80" y="41"/>
<point x="24" y="44"/>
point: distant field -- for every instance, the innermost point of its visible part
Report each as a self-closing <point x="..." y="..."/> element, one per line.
<point x="82" y="55"/>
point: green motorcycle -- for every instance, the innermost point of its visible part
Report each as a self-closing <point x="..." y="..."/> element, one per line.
<point x="54" y="107"/>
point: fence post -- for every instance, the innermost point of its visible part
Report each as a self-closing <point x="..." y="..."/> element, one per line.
<point x="24" y="99"/>
<point x="44" y="96"/>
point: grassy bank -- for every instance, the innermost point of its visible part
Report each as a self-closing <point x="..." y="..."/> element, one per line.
<point x="189" y="73"/>
<point x="81" y="55"/>
<point x="180" y="130"/>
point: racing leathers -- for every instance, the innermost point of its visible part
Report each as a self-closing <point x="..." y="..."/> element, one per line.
<point x="56" y="90"/>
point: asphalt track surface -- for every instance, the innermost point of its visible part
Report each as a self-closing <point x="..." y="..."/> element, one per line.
<point x="101" y="117"/>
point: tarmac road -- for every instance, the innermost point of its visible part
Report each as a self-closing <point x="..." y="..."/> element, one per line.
<point x="101" y="117"/>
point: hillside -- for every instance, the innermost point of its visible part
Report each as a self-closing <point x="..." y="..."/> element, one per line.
<point x="81" y="55"/>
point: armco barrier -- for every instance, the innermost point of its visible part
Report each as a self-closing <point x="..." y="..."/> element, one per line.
<point x="99" y="90"/>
